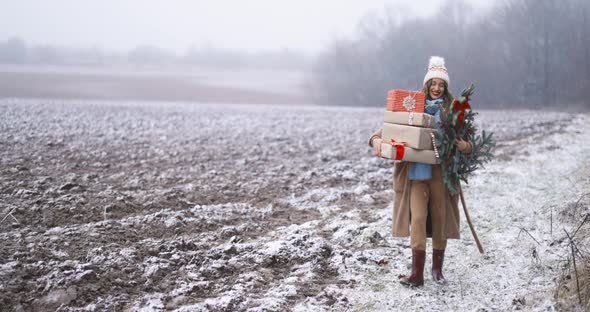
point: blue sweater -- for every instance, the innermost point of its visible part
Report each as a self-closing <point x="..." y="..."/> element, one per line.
<point x="420" y="171"/>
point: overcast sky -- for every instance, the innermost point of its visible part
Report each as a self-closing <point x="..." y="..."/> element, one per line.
<point x="252" y="25"/>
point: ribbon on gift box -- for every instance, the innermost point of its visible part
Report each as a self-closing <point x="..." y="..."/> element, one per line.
<point x="409" y="102"/>
<point x="436" y="154"/>
<point x="399" y="149"/>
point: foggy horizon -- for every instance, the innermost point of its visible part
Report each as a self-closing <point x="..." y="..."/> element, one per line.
<point x="304" y="27"/>
<point x="346" y="56"/>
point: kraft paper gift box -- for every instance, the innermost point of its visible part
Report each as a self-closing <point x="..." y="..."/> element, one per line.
<point x="404" y="153"/>
<point x="410" y="118"/>
<point x="414" y="137"/>
<point x="405" y="101"/>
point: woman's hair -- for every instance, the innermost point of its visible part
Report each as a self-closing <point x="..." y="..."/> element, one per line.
<point x="448" y="96"/>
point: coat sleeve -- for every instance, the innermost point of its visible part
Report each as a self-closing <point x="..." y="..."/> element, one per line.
<point x="376" y="134"/>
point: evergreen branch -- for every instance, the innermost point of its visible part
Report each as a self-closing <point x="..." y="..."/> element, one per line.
<point x="456" y="165"/>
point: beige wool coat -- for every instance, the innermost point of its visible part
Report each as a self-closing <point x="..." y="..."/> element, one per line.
<point x="401" y="204"/>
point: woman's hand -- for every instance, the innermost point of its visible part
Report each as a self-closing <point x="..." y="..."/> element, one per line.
<point x="377" y="146"/>
<point x="462" y="145"/>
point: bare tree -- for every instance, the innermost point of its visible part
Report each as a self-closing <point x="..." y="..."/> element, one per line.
<point x="529" y="53"/>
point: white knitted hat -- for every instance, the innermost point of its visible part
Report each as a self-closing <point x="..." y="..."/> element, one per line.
<point x="436" y="69"/>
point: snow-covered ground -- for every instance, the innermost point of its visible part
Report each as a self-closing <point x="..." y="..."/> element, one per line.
<point x="131" y="206"/>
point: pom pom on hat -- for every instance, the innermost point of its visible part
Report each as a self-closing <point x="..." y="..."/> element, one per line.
<point x="437" y="69"/>
<point x="436" y="61"/>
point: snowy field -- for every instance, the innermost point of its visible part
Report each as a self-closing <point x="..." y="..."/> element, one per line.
<point x="131" y="206"/>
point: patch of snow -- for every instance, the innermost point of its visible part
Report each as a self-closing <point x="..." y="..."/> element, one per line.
<point x="150" y="303"/>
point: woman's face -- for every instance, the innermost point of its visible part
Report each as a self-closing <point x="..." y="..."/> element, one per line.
<point x="437" y="88"/>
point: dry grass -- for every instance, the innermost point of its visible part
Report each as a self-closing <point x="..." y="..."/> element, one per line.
<point x="573" y="286"/>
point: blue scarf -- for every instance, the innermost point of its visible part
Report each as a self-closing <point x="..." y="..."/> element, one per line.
<point x="420" y="171"/>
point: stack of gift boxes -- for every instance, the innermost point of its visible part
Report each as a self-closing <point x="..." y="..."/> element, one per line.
<point x="407" y="129"/>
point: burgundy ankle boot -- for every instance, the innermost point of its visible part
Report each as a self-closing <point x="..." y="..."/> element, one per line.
<point x="416" y="278"/>
<point x="438" y="256"/>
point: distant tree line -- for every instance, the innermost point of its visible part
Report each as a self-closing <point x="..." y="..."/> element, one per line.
<point x="528" y="53"/>
<point x="17" y="51"/>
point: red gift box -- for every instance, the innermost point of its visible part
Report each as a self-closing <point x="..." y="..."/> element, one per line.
<point x="405" y="101"/>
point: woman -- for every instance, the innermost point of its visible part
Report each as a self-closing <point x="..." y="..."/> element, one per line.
<point x="422" y="205"/>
